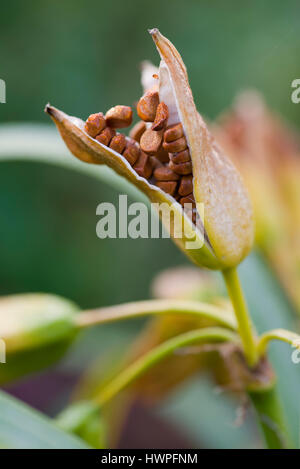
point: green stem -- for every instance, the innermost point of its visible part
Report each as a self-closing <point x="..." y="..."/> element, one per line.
<point x="266" y="402"/>
<point x="271" y="419"/>
<point x="156" y="307"/>
<point x="121" y="381"/>
<point x="277" y="334"/>
<point x="245" y="328"/>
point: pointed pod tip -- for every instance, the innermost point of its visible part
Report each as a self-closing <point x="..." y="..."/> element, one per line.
<point x="48" y="108"/>
<point x="51" y="110"/>
<point x="154" y="33"/>
<point x="56" y="114"/>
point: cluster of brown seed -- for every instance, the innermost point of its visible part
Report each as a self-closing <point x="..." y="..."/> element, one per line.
<point x="156" y="151"/>
<point x="103" y="129"/>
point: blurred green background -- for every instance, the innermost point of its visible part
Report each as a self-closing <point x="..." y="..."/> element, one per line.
<point x="84" y="57"/>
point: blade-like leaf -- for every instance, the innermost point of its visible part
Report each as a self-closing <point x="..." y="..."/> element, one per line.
<point x="24" y="428"/>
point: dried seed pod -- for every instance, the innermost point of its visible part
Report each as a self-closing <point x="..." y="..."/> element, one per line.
<point x="131" y="152"/>
<point x="151" y="141"/>
<point x="173" y="133"/>
<point x="147" y="106"/>
<point x="164" y="173"/>
<point x="167" y="186"/>
<point x="95" y="123"/>
<point x="180" y="157"/>
<point x="143" y="166"/>
<point x="119" y="117"/>
<point x="175" y="146"/>
<point x="228" y="230"/>
<point x="137" y="131"/>
<point x="183" y="168"/>
<point x="106" y="135"/>
<point x="118" y="143"/>
<point x="186" y="185"/>
<point x="161" y="117"/>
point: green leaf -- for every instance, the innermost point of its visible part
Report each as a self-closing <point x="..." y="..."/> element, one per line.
<point x="24" y="428"/>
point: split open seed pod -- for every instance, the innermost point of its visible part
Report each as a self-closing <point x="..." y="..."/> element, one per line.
<point x="223" y="233"/>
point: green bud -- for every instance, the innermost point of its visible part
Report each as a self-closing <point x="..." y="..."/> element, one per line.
<point x="35" y="330"/>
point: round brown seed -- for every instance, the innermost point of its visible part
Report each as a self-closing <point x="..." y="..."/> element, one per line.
<point x="119" y="117"/>
<point x="95" y="123"/>
<point x="151" y="141"/>
<point x="147" y="106"/>
<point x="167" y="186"/>
<point x="106" y="135"/>
<point x="180" y="157"/>
<point x="175" y="146"/>
<point x="186" y="185"/>
<point x="183" y="168"/>
<point x="164" y="173"/>
<point x="173" y="133"/>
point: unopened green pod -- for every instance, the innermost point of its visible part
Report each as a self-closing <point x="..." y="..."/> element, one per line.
<point x="35" y="331"/>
